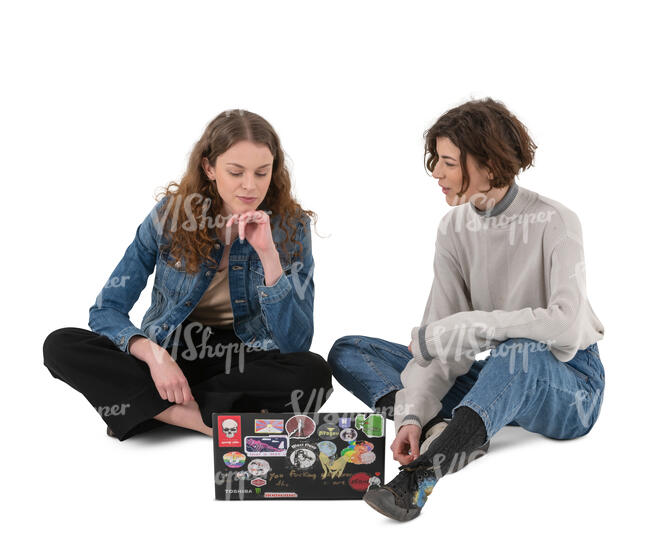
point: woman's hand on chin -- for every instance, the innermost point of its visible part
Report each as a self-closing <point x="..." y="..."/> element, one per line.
<point x="255" y="226"/>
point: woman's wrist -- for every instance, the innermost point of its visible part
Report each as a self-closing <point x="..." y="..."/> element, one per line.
<point x="270" y="259"/>
<point x="145" y="349"/>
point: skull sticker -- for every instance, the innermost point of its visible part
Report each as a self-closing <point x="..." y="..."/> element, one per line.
<point x="229" y="431"/>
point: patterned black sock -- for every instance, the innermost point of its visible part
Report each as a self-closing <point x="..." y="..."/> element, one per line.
<point x="456" y="444"/>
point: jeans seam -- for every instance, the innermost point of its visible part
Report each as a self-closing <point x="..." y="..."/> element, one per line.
<point x="387" y="349"/>
<point x="364" y="387"/>
<point x="370" y="363"/>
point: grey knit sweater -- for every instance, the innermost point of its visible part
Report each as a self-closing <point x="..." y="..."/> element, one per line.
<point x="514" y="270"/>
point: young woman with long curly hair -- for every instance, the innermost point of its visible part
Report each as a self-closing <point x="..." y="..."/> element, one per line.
<point x="231" y="316"/>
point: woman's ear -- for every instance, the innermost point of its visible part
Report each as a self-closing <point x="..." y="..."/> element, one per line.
<point x="490" y="174"/>
<point x="209" y="170"/>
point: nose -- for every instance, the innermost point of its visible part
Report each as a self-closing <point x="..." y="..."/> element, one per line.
<point x="437" y="170"/>
<point x="249" y="182"/>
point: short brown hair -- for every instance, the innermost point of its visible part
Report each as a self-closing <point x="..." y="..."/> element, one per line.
<point x="488" y="131"/>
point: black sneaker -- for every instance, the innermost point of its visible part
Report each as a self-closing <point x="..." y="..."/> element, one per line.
<point x="404" y="496"/>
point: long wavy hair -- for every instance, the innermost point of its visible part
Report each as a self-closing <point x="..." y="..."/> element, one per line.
<point x="200" y="199"/>
<point x="488" y="131"/>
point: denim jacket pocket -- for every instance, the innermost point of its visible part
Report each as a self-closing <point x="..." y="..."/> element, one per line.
<point x="580" y="374"/>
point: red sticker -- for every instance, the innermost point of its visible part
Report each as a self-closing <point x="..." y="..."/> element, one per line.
<point x="229" y="431"/>
<point x="359" y="482"/>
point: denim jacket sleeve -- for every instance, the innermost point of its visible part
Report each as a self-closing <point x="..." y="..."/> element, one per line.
<point x="288" y="305"/>
<point x="109" y="315"/>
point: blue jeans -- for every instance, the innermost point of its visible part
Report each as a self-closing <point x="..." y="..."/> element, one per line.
<point x="520" y="383"/>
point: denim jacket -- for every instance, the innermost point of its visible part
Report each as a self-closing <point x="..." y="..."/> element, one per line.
<point x="265" y="317"/>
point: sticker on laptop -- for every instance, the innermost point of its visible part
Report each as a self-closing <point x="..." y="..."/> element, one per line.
<point x="266" y="445"/>
<point x="333" y="467"/>
<point x="259" y="467"/>
<point x="268" y="426"/>
<point x="372" y="425"/>
<point x="359" y="481"/>
<point x="348" y="434"/>
<point x="234" y="459"/>
<point x="344" y="423"/>
<point x="327" y="447"/>
<point x="229" y="431"/>
<point x="302" y="456"/>
<point x="300" y="427"/>
<point x="328" y="432"/>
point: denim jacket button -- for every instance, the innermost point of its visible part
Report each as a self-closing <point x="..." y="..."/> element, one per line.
<point x="207" y="273"/>
<point x="165" y="326"/>
<point x="264" y="294"/>
<point x="237" y="267"/>
<point x="188" y="303"/>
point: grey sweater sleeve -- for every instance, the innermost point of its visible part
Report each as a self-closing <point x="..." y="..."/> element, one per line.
<point x="426" y="382"/>
<point x="561" y="325"/>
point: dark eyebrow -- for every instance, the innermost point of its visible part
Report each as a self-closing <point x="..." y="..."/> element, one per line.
<point x="447" y="157"/>
<point x="240" y="166"/>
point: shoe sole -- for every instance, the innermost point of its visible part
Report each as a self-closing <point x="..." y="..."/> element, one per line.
<point x="383" y="501"/>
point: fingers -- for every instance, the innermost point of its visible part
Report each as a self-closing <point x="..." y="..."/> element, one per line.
<point x="400" y="449"/>
<point x="242" y="227"/>
<point x="414" y="439"/>
<point x="187" y="394"/>
<point x="229" y="224"/>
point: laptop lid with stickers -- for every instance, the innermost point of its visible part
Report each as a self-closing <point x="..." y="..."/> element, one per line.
<point x="260" y="456"/>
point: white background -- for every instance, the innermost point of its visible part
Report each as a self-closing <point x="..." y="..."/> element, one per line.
<point x="101" y="105"/>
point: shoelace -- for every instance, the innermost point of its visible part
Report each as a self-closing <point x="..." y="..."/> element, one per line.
<point x="412" y="478"/>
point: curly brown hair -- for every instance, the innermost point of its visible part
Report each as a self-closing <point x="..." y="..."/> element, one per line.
<point x="488" y="131"/>
<point x="199" y="197"/>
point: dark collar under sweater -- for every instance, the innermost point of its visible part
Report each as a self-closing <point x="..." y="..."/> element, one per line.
<point x="501" y="206"/>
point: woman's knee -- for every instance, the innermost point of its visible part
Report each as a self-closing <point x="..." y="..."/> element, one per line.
<point x="56" y="343"/>
<point x="314" y="372"/>
<point x="341" y="351"/>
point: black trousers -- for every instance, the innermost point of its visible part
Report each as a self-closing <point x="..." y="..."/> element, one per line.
<point x="224" y="376"/>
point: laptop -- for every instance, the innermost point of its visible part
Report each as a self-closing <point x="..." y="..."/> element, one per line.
<point x="262" y="456"/>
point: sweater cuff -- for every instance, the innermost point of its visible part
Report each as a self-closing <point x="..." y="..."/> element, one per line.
<point x="411" y="419"/>
<point x="419" y="346"/>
